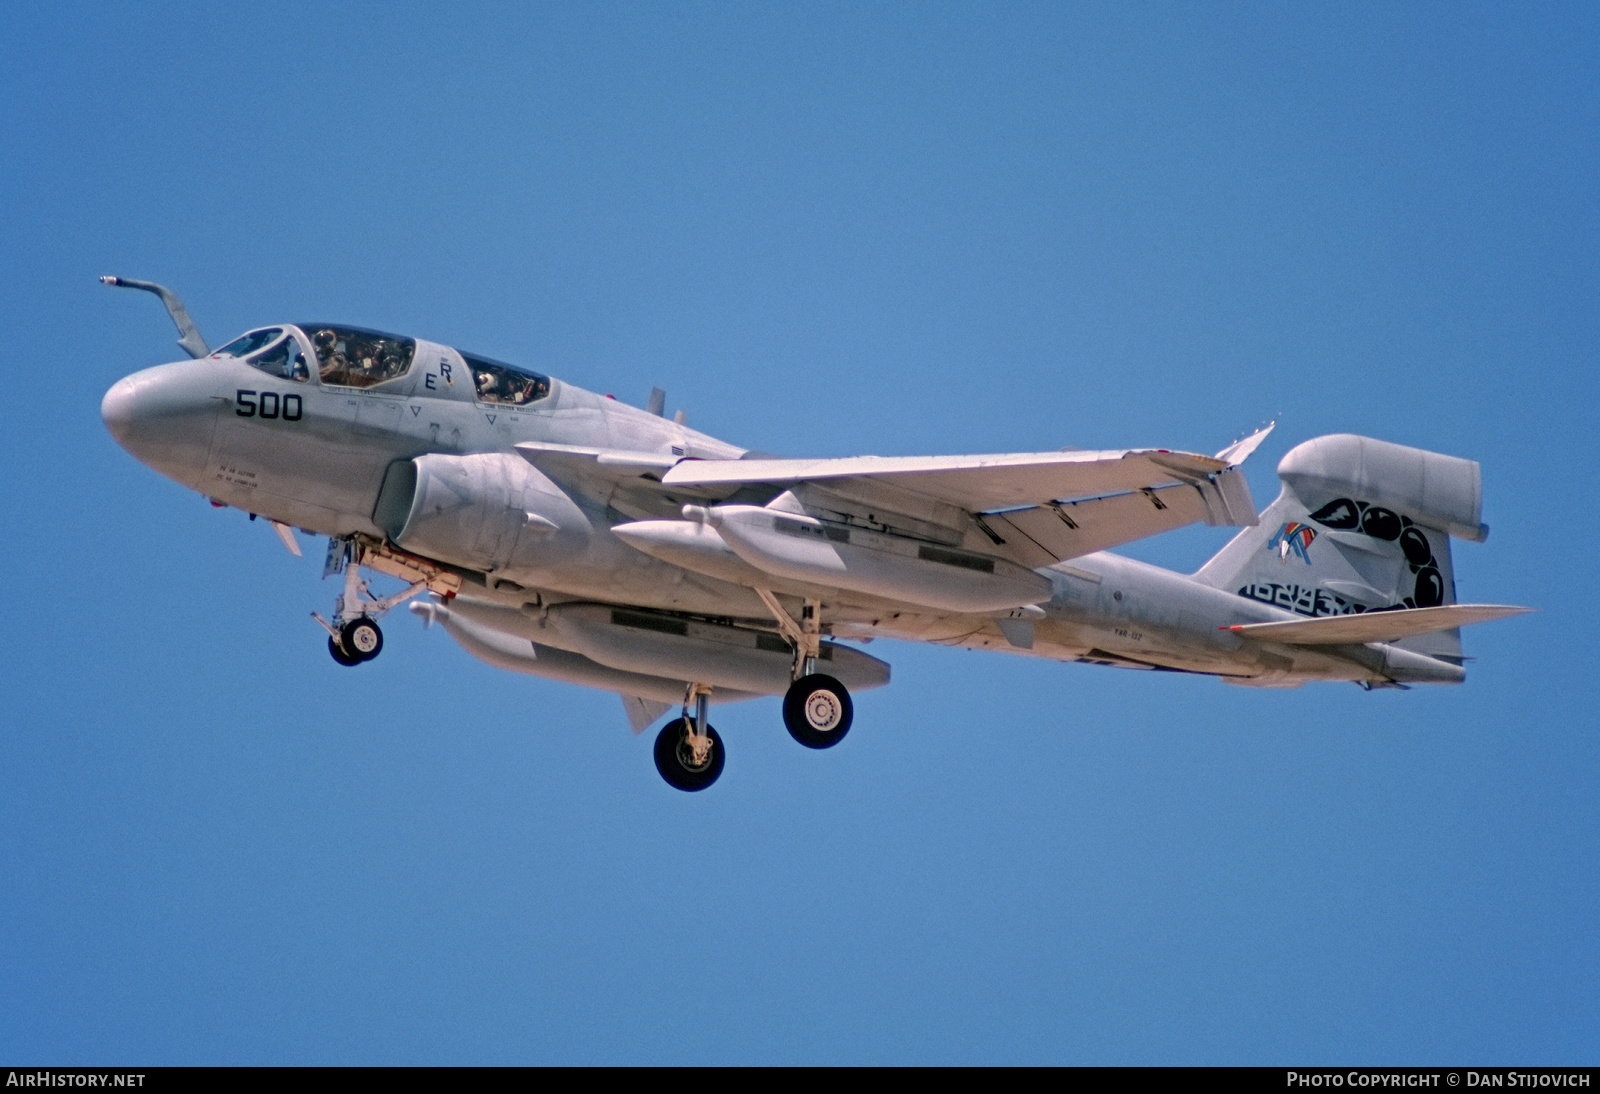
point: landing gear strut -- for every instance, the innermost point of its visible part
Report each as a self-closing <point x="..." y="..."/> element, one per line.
<point x="353" y="635"/>
<point x="817" y="710"/>
<point x="689" y="753"/>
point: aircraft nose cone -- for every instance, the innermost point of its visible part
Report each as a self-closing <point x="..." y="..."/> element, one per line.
<point x="117" y="409"/>
<point x="164" y="417"/>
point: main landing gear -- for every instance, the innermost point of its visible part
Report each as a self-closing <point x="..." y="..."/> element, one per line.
<point x="354" y="635"/>
<point x="689" y="753"/>
<point x="816" y="710"/>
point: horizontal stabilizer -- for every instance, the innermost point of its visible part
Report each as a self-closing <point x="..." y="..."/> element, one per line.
<point x="1329" y="630"/>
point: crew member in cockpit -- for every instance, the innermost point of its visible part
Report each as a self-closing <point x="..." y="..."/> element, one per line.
<point x="331" y="362"/>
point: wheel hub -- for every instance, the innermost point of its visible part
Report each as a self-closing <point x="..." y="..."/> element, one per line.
<point x="694" y="751"/>
<point x="823" y="711"/>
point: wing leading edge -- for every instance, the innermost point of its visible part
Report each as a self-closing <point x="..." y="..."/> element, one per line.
<point x="974" y="483"/>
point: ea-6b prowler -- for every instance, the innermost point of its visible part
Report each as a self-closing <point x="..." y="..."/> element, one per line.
<point x="564" y="534"/>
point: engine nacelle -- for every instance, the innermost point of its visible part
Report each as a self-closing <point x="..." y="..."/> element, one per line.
<point x="488" y="512"/>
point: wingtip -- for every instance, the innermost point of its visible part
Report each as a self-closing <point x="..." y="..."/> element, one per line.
<point x="1239" y="451"/>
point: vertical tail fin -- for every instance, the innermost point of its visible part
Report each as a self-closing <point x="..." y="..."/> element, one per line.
<point x="1360" y="525"/>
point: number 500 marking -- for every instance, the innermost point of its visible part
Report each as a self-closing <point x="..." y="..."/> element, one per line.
<point x="268" y="404"/>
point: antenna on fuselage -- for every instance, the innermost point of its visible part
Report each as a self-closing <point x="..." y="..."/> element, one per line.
<point x="192" y="343"/>
<point x="658" y="402"/>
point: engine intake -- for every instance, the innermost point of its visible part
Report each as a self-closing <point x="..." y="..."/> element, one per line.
<point x="488" y="512"/>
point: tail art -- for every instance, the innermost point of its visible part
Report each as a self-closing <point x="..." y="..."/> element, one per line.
<point x="1361" y="525"/>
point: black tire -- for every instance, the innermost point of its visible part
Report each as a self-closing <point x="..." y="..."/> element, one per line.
<point x="361" y="638"/>
<point x="338" y="654"/>
<point x="675" y="760"/>
<point x="817" y="711"/>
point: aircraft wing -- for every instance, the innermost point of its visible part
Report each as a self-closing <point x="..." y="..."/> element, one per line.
<point x="1036" y="508"/>
<point x="621" y="464"/>
<point x="1016" y="499"/>
<point x="974" y="483"/>
<point x="1365" y="627"/>
<point x="1044" y="534"/>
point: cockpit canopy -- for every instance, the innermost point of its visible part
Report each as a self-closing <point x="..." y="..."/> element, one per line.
<point x="273" y="350"/>
<point x="353" y="357"/>
<point x="499" y="382"/>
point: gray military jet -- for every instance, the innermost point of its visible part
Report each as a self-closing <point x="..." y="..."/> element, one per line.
<point x="564" y="534"/>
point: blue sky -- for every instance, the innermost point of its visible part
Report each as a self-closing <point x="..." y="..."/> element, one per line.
<point x="824" y="229"/>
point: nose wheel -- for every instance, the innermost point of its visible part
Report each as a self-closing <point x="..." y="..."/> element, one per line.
<point x="359" y="640"/>
<point x="353" y="635"/>
<point x="817" y="711"/>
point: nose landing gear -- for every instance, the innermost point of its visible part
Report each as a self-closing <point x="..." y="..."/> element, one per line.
<point x="356" y="641"/>
<point x="362" y="638"/>
<point x="353" y="635"/>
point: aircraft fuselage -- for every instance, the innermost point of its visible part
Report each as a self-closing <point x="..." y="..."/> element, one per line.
<point x="316" y="456"/>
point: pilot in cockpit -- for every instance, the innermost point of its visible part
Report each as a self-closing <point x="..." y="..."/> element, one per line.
<point x="327" y="345"/>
